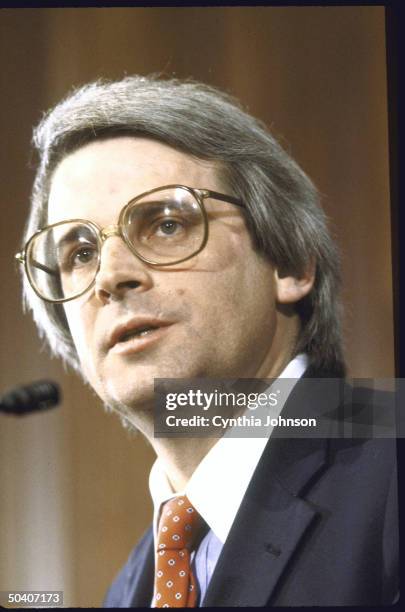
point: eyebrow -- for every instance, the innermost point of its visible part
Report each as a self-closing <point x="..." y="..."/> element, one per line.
<point x="77" y="232"/>
<point x="146" y="210"/>
<point x="155" y="205"/>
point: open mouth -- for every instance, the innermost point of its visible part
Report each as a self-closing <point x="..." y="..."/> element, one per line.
<point x="137" y="335"/>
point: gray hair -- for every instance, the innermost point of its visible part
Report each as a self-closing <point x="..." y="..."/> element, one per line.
<point x="284" y="216"/>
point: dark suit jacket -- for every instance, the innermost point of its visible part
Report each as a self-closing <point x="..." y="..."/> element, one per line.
<point x="318" y="525"/>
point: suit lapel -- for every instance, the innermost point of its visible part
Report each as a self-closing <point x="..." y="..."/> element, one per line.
<point x="268" y="528"/>
<point x="139" y="583"/>
<point x="273" y="519"/>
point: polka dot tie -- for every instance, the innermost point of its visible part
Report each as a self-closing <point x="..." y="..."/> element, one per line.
<point x="175" y="584"/>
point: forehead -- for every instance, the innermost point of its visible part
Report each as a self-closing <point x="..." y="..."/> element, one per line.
<point x="97" y="180"/>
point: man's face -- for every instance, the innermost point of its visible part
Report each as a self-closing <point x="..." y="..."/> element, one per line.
<point x="214" y="315"/>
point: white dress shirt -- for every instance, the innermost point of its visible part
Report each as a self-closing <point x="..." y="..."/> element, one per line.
<point x="219" y="481"/>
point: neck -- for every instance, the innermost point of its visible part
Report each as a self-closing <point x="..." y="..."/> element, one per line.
<point x="181" y="456"/>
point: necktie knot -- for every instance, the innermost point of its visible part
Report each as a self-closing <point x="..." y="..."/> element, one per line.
<point x="179" y="524"/>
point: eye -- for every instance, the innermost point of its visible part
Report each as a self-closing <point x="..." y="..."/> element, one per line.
<point x="165" y="224"/>
<point x="79" y="257"/>
<point x="168" y="227"/>
<point x="83" y="255"/>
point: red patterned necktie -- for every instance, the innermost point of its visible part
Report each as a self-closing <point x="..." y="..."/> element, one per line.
<point x="175" y="584"/>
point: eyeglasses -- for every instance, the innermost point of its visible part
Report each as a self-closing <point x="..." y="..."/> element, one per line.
<point x="162" y="227"/>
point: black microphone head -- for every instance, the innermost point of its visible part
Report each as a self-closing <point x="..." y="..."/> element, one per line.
<point x="39" y="395"/>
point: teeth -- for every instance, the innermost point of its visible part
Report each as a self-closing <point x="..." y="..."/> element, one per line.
<point x="142" y="331"/>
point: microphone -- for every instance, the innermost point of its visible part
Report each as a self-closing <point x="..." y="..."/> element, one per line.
<point x="39" y="395"/>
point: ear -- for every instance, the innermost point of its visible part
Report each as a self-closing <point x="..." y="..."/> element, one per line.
<point x="290" y="289"/>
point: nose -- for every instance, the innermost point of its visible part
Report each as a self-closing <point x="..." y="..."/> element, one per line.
<point x="120" y="271"/>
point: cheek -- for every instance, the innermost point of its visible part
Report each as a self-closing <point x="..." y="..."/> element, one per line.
<point x="245" y="279"/>
<point x="80" y="327"/>
<point x="238" y="294"/>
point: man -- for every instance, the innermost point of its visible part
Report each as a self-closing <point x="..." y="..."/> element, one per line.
<point x="172" y="237"/>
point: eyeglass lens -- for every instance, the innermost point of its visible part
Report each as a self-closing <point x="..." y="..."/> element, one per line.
<point x="162" y="227"/>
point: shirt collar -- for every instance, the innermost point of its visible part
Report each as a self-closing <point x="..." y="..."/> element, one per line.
<point x="231" y="461"/>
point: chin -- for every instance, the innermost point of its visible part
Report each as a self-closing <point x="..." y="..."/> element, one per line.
<point x="134" y="398"/>
<point x="134" y="408"/>
<point x="129" y="387"/>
